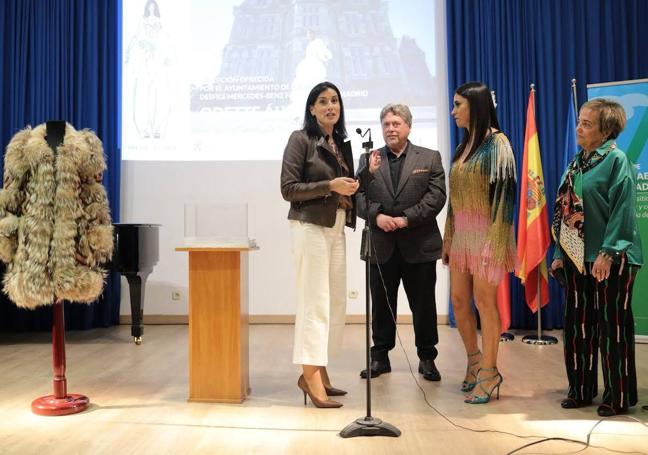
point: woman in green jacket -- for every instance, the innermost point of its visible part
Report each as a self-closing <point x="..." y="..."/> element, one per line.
<point x="597" y="255"/>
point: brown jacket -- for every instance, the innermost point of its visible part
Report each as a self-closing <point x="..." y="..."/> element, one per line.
<point x="307" y="168"/>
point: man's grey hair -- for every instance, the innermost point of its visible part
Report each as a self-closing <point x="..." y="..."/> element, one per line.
<point x="400" y="110"/>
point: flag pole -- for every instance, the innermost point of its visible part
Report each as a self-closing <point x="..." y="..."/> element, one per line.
<point x="539" y="338"/>
<point x="506" y="336"/>
<point x="574" y="96"/>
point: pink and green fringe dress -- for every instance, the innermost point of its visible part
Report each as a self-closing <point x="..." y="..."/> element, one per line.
<point x="479" y="234"/>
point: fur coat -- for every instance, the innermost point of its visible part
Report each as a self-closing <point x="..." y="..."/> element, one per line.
<point x="55" y="227"/>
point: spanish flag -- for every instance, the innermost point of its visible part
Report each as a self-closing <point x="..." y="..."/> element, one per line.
<point x="533" y="226"/>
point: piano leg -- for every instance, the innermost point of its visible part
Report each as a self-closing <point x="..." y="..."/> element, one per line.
<point x="136" y="288"/>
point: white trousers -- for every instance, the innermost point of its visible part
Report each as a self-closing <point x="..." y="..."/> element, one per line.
<point x="320" y="259"/>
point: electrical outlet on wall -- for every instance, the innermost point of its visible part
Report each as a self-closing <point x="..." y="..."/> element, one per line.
<point x="175" y="295"/>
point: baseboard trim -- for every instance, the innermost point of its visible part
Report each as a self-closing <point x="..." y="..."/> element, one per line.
<point x="157" y="319"/>
<point x="183" y="319"/>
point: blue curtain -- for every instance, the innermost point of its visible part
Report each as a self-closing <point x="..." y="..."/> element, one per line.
<point x="509" y="44"/>
<point x="60" y="60"/>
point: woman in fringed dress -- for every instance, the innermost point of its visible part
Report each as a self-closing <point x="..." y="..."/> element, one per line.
<point x="479" y="244"/>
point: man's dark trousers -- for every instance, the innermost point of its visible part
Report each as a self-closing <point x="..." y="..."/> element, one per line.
<point x="419" y="281"/>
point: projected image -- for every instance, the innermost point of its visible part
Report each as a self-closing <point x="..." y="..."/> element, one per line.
<point x="153" y="105"/>
<point x="237" y="84"/>
<point x="310" y="70"/>
<point x="147" y="56"/>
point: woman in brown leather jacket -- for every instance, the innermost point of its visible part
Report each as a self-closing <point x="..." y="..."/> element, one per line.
<point x="317" y="179"/>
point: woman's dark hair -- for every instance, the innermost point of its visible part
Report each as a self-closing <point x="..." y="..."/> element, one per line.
<point x="482" y="116"/>
<point x="156" y="10"/>
<point x="310" y="122"/>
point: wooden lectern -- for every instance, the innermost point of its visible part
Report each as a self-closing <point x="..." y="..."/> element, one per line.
<point x="218" y="323"/>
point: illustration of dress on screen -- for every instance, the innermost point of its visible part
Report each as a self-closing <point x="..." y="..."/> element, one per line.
<point x="149" y="53"/>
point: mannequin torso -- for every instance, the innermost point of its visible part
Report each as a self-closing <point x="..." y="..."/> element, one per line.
<point x="55" y="133"/>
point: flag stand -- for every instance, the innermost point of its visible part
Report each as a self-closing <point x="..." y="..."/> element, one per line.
<point x="539" y="338"/>
<point x="505" y="296"/>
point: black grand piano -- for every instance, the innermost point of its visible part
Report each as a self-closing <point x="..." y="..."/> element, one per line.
<point x="136" y="251"/>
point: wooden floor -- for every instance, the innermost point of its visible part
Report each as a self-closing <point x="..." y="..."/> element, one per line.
<point x="139" y="406"/>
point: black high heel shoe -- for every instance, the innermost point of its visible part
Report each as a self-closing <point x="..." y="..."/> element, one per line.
<point x="605" y="410"/>
<point x="303" y="385"/>
<point x="573" y="403"/>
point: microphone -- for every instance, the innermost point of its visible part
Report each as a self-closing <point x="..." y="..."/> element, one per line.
<point x="359" y="131"/>
<point x="364" y="166"/>
<point x="366" y="145"/>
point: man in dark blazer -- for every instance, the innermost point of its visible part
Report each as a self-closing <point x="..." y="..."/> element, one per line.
<point x="406" y="189"/>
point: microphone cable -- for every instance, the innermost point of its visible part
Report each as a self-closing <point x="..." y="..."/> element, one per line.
<point x="541" y="439"/>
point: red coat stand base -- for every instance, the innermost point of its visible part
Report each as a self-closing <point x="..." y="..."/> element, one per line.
<point x="60" y="403"/>
<point x="51" y="406"/>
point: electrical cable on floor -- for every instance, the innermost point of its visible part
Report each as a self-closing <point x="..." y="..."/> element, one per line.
<point x="586" y="444"/>
<point x="543" y="439"/>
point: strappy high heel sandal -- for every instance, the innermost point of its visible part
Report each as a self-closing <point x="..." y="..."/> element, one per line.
<point x="467" y="386"/>
<point x="476" y="399"/>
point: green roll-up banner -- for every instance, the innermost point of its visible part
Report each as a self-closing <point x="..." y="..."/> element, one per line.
<point x="633" y="95"/>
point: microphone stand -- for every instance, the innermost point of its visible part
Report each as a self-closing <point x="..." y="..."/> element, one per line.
<point x="368" y="425"/>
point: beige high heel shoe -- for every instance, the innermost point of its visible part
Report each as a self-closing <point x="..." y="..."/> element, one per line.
<point x="333" y="392"/>
<point x="303" y="385"/>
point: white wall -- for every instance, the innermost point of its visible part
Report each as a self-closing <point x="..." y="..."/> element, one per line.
<point x="155" y="192"/>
